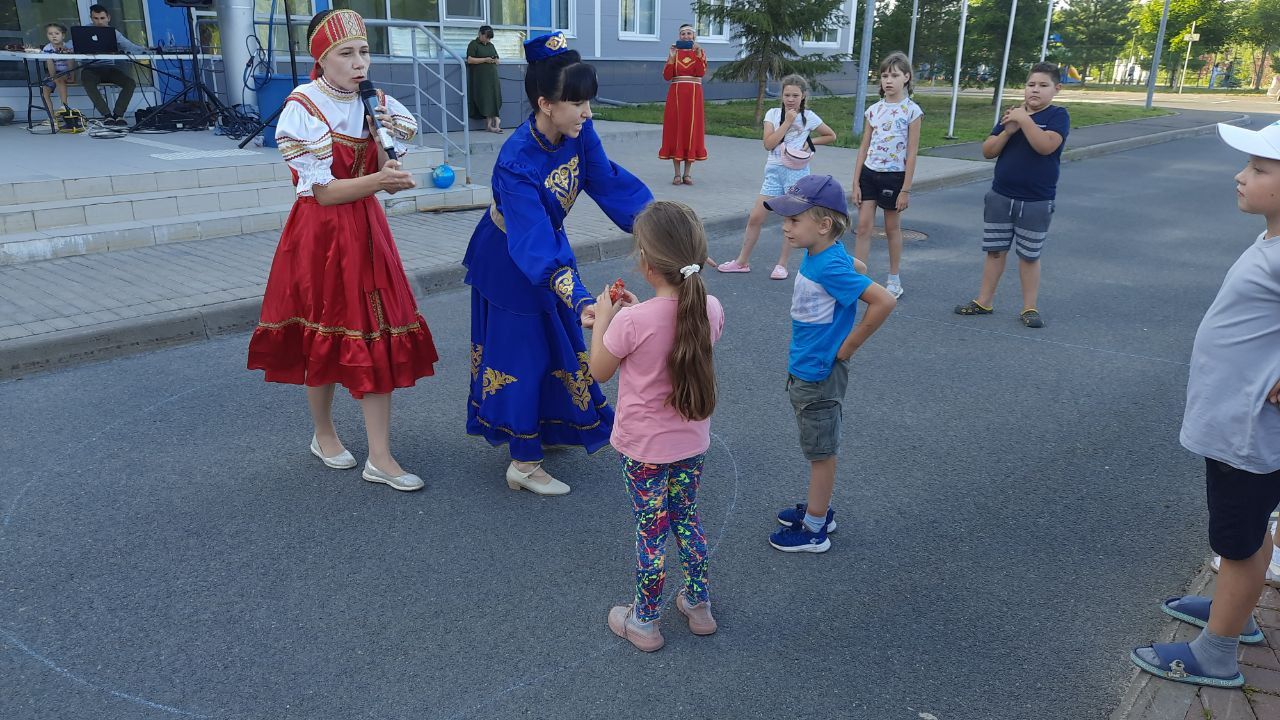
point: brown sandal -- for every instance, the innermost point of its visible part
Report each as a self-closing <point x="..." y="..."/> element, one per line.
<point x="688" y="180"/>
<point x="676" y="180"/>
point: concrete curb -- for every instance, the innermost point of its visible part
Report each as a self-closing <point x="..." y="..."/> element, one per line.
<point x="1152" y="139"/>
<point x="53" y="351"/>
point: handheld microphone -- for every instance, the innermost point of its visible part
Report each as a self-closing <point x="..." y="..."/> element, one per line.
<point x="370" y="98"/>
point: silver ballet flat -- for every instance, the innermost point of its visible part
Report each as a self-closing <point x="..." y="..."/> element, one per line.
<point x="405" y="482"/>
<point x="342" y="461"/>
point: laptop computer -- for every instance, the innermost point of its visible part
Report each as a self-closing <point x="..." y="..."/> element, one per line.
<point x="94" y="40"/>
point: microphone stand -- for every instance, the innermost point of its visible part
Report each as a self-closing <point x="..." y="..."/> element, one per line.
<point x="293" y="68"/>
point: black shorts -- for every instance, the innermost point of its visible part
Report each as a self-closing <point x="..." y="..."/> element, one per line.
<point x="1240" y="506"/>
<point x="883" y="187"/>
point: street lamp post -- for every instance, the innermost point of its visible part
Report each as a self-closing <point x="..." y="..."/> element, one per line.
<point x="1190" y="38"/>
<point x="1004" y="66"/>
<point x="864" y="64"/>
<point x="1155" y="58"/>
<point x="911" y="43"/>
<point x="955" y="71"/>
<point x="1048" y="19"/>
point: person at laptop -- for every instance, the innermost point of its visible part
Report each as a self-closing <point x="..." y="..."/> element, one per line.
<point x="95" y="74"/>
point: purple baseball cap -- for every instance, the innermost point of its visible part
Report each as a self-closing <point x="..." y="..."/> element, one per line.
<point x="810" y="191"/>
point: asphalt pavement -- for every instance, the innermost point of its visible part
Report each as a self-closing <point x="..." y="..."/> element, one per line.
<point x="1013" y="505"/>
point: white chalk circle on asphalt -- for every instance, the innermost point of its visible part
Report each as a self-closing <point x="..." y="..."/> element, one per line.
<point x="13" y="635"/>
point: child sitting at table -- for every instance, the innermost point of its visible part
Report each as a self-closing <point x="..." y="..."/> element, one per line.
<point x="57" y="69"/>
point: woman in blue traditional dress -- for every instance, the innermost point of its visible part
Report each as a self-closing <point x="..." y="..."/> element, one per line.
<point x="530" y="387"/>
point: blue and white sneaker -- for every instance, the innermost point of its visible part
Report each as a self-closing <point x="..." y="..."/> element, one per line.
<point x="799" y="538"/>
<point x="792" y="516"/>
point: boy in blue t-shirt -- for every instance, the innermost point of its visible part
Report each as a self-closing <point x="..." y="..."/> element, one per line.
<point x="1028" y="142"/>
<point x="824" y="305"/>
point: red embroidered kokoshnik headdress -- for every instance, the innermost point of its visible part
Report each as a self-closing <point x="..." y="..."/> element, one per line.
<point x="339" y="27"/>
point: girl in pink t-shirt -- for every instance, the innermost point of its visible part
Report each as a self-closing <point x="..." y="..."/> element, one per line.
<point x="666" y="394"/>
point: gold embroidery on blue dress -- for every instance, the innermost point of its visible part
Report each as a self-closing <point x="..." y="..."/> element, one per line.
<point x="562" y="284"/>
<point x="477" y="352"/>
<point x="544" y="421"/>
<point x="563" y="183"/>
<point x="494" y="381"/>
<point x="578" y="383"/>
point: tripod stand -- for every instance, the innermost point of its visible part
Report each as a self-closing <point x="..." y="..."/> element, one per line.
<point x="293" y="68"/>
<point x="211" y="108"/>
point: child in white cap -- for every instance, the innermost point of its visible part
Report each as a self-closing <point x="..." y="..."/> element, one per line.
<point x="1233" y="419"/>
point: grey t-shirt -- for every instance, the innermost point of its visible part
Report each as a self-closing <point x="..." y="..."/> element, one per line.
<point x="1235" y="362"/>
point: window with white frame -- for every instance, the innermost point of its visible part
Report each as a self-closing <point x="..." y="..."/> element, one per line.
<point x="711" y="30"/>
<point x="828" y="38"/>
<point x="638" y="19"/>
<point x="562" y="13"/>
<point x="464" y="9"/>
<point x="507" y="12"/>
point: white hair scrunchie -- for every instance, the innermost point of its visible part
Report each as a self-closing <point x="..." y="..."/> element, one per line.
<point x="688" y="270"/>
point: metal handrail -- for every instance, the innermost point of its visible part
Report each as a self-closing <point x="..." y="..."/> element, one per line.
<point x="438" y="71"/>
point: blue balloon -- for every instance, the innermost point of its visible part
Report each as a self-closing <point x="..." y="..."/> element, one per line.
<point x="442" y="176"/>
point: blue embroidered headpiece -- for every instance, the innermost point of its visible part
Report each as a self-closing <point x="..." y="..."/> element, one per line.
<point x="545" y="46"/>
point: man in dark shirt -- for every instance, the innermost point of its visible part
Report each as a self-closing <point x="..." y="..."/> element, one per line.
<point x="96" y="73"/>
<point x="1028" y="142"/>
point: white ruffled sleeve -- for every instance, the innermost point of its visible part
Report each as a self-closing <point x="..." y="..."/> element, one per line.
<point x="307" y="146"/>
<point x="403" y="127"/>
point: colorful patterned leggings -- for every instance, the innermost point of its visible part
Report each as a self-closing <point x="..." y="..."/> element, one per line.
<point x="666" y="497"/>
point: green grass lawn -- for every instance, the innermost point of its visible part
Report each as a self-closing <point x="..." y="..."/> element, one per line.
<point x="974" y="116"/>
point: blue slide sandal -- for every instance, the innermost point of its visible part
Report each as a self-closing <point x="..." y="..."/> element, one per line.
<point x="1194" y="609"/>
<point x="1177" y="663"/>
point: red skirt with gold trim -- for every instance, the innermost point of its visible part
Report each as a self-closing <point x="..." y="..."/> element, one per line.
<point x="683" y="124"/>
<point x="338" y="307"/>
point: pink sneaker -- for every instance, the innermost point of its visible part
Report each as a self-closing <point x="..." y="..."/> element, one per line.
<point x="733" y="266"/>
<point x="623" y="623"/>
<point x="699" y="616"/>
<point x="779" y="272"/>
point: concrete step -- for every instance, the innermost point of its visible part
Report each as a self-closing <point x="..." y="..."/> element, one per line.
<point x="98" y="186"/>
<point x="126" y="207"/>
<point x="37" y="245"/>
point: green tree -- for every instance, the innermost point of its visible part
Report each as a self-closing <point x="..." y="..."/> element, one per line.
<point x="1259" y="26"/>
<point x="1093" y="31"/>
<point x="984" y="43"/>
<point x="936" y="29"/>
<point x="765" y="30"/>
<point x="1215" y="22"/>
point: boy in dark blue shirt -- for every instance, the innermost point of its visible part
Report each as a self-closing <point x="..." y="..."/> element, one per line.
<point x="1028" y="142"/>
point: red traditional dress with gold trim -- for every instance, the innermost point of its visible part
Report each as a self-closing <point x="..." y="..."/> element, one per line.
<point x="683" y="123"/>
<point x="338" y="307"/>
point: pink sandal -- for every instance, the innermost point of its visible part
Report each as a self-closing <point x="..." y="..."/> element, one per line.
<point x="732" y="266"/>
<point x="779" y="272"/>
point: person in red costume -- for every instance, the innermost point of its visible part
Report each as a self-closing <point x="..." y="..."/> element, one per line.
<point x="338" y="309"/>
<point x="683" y="123"/>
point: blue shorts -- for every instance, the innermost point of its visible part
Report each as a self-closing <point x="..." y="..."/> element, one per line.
<point x="777" y="178"/>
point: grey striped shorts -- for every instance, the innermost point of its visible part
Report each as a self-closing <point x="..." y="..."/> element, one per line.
<point x="1006" y="220"/>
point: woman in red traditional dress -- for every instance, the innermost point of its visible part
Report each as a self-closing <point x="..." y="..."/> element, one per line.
<point x="338" y="308"/>
<point x="683" y="125"/>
